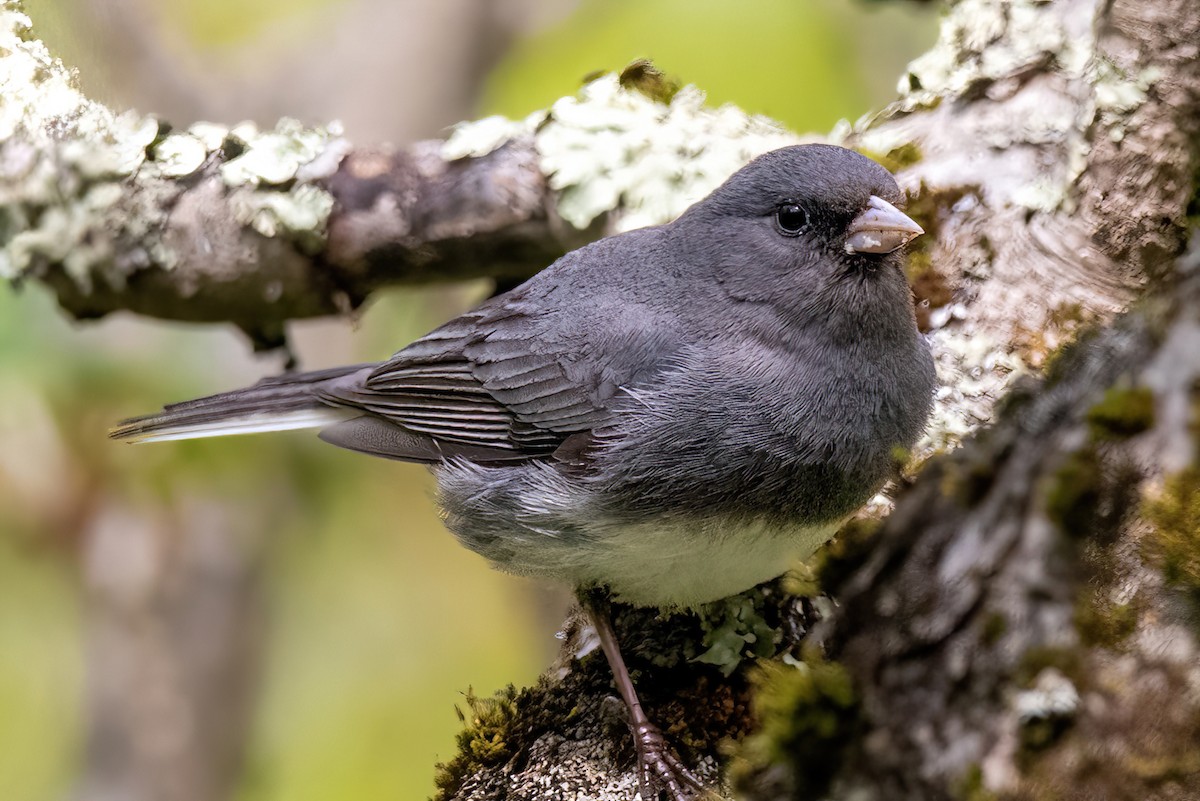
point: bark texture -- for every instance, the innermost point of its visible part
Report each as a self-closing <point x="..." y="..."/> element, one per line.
<point x="1017" y="627"/>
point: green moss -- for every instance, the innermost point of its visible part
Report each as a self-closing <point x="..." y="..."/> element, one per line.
<point x="1074" y="493"/>
<point x="807" y="714"/>
<point x="902" y="457"/>
<point x="1194" y="417"/>
<point x="1056" y="365"/>
<point x="1067" y="661"/>
<point x="1123" y="412"/>
<point x="1192" y="211"/>
<point x="483" y="742"/>
<point x="971" y="787"/>
<point x="845" y="553"/>
<point x="931" y="289"/>
<point x="1070" y="314"/>
<point x="896" y="159"/>
<point x="994" y="627"/>
<point x="1043" y="346"/>
<point x="972" y="476"/>
<point x="1174" y="542"/>
<point x="1157" y="772"/>
<point x="927" y="204"/>
<point x="1102" y="623"/>
<point x="642" y="76"/>
<point x="1039" y="734"/>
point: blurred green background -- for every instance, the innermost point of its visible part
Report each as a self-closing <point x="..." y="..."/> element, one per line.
<point x="373" y="620"/>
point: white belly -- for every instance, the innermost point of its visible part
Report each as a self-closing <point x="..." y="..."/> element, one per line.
<point x="676" y="564"/>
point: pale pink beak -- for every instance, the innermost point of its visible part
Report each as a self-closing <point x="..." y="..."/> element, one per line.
<point x="882" y="228"/>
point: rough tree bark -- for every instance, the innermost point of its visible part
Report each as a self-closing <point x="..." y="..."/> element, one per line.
<point x="1024" y="625"/>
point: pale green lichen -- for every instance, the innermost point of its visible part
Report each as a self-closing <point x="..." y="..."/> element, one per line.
<point x="1047" y="194"/>
<point x="1115" y="93"/>
<point x="66" y="165"/>
<point x="179" y="155"/>
<point x="63" y="159"/>
<point x="1052" y="695"/>
<point x="275" y="157"/>
<point x="116" y="151"/>
<point x="477" y="138"/>
<point x="300" y="214"/>
<point x="35" y="88"/>
<point x="870" y="140"/>
<point x="983" y="41"/>
<point x="615" y="150"/>
<point x="1045" y="710"/>
<point x="40" y="102"/>
<point x="735" y="630"/>
<point x="67" y="234"/>
<point x="984" y="47"/>
<point x="1117" y="90"/>
<point x="211" y="134"/>
<point x="269" y="179"/>
<point x="610" y="146"/>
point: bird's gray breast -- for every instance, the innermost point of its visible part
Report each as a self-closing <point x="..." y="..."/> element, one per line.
<point x="749" y="433"/>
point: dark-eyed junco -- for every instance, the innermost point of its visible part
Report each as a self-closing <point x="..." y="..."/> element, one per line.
<point x="676" y="413"/>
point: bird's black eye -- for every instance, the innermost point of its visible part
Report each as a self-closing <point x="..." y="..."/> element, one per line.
<point x="791" y="219"/>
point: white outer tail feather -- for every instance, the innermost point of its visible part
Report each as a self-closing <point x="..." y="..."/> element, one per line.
<point x="257" y="423"/>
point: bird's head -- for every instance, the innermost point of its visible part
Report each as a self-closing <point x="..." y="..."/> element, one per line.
<point x="805" y="220"/>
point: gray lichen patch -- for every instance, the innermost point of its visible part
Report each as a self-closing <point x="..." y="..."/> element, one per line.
<point x="1116" y="93"/>
<point x="180" y="155"/>
<point x="615" y="150"/>
<point x="983" y="42"/>
<point x="276" y="156"/>
<point x="89" y="191"/>
<point x="973" y="371"/>
<point x="299" y="214"/>
<point x="612" y="147"/>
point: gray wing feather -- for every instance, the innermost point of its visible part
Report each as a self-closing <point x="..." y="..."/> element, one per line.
<point x="478" y="387"/>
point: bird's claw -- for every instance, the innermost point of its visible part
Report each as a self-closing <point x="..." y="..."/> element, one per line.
<point x="660" y="771"/>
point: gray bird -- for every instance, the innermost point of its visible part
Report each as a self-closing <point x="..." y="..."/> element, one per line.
<point x="674" y="414"/>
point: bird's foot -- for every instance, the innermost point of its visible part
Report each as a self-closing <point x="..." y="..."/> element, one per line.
<point x="661" y="774"/>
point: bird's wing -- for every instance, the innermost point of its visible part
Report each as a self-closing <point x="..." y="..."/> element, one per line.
<point x="480" y="387"/>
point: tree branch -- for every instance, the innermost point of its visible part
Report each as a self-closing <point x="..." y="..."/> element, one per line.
<point x="119" y="211"/>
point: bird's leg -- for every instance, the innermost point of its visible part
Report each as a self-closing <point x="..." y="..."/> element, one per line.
<point x="659" y="769"/>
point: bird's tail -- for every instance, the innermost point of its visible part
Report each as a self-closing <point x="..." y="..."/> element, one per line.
<point x="279" y="403"/>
